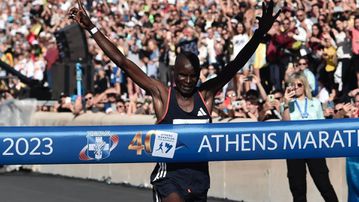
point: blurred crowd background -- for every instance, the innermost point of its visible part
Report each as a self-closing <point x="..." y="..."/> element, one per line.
<point x="319" y="38"/>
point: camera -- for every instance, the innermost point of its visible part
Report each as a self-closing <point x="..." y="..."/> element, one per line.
<point x="248" y="78"/>
<point x="237" y="104"/>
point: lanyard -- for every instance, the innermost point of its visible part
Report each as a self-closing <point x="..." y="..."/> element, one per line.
<point x="305" y="114"/>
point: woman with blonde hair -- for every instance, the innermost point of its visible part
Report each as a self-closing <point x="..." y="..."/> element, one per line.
<point x="300" y="105"/>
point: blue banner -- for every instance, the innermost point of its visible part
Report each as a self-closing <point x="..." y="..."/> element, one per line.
<point x="179" y="143"/>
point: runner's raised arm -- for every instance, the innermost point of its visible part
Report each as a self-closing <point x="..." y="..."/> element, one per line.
<point x="154" y="87"/>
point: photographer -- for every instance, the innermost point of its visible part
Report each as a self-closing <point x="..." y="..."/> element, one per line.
<point x="64" y="104"/>
<point x="245" y="108"/>
<point x="253" y="83"/>
<point x="271" y="108"/>
<point x="300" y="105"/>
<point x="237" y="109"/>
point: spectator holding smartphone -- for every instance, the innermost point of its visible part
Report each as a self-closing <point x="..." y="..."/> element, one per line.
<point x="300" y="105"/>
<point x="271" y="107"/>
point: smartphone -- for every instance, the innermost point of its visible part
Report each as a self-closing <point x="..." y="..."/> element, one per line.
<point x="271" y="98"/>
<point x="67" y="100"/>
<point x="330" y="104"/>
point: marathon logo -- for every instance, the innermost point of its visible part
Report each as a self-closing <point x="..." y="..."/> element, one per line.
<point x="99" y="145"/>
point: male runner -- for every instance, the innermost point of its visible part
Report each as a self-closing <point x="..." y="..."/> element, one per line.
<point x="184" y="103"/>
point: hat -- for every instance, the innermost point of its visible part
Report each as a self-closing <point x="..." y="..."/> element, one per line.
<point x="37" y="3"/>
<point x="130" y="24"/>
<point x="98" y="58"/>
<point x="338" y="9"/>
<point x="35" y="42"/>
<point x="42" y="35"/>
<point x="141" y="13"/>
<point x="235" y="21"/>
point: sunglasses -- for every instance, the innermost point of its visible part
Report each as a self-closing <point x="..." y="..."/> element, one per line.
<point x="298" y="85"/>
<point x="302" y="63"/>
<point x="232" y="95"/>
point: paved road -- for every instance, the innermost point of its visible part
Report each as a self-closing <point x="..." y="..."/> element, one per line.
<point x="24" y="186"/>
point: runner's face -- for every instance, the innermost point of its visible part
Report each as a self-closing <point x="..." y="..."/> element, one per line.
<point x="185" y="77"/>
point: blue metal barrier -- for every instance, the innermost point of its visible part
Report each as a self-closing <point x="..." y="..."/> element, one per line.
<point x="179" y="143"/>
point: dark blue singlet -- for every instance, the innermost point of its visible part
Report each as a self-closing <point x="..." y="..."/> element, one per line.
<point x="187" y="179"/>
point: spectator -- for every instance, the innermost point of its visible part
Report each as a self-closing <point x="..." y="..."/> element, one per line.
<point x="253" y="108"/>
<point x="279" y="54"/>
<point x="238" y="109"/>
<point x="64" y="104"/>
<point x="355" y="48"/>
<point x="212" y="72"/>
<point x="120" y="106"/>
<point x="271" y="107"/>
<point x="153" y="59"/>
<point x="164" y="57"/>
<point x="239" y="39"/>
<point x="316" y="47"/>
<point x="303" y="22"/>
<point x="188" y="41"/>
<point x="210" y="41"/>
<point x="90" y="104"/>
<point x="300" y="105"/>
<point x="303" y="65"/>
<point x="101" y="81"/>
<point x="344" y="76"/>
<point x="252" y="82"/>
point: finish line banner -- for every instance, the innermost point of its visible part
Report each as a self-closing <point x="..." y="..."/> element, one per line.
<point x="179" y="143"/>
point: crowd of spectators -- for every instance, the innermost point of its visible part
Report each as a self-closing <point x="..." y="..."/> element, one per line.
<point x="316" y="37"/>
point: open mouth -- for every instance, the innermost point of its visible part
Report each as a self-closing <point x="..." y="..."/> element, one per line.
<point x="187" y="88"/>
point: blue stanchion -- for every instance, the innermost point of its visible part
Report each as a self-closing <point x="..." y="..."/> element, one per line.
<point x="179" y="143"/>
<point x="79" y="79"/>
